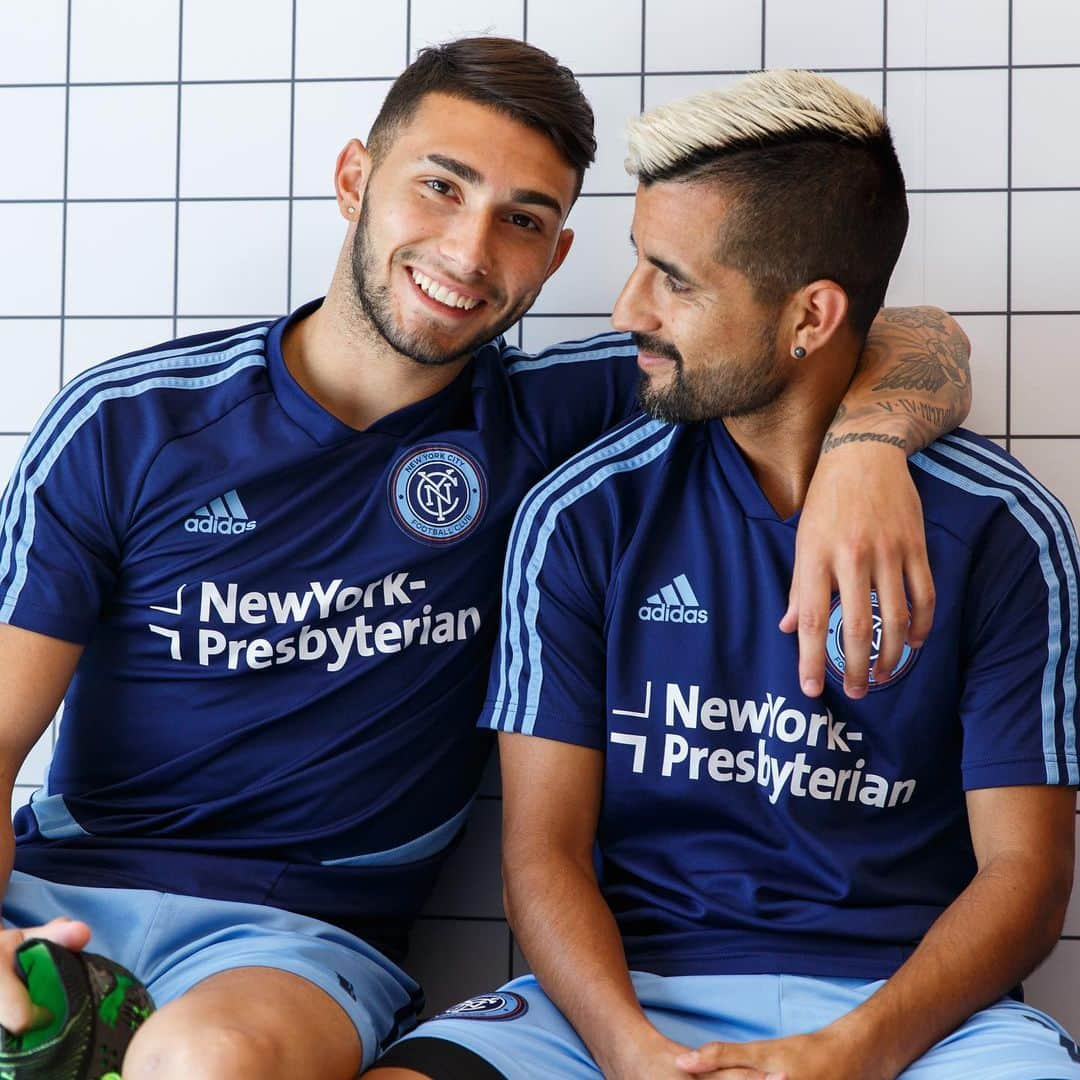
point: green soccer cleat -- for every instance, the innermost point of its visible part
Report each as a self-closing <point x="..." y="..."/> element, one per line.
<point x="96" y="1006"/>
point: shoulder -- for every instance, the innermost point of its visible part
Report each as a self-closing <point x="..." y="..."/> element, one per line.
<point x="587" y="485"/>
<point x="971" y="487"/>
<point x="607" y="346"/>
<point x="153" y="387"/>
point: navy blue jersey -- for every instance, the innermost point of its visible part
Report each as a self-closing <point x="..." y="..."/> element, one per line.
<point x="287" y="623"/>
<point x="746" y="828"/>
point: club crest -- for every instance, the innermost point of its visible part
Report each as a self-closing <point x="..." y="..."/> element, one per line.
<point x="835" y="662"/>
<point x="437" y="494"/>
<point x="505" y="1005"/>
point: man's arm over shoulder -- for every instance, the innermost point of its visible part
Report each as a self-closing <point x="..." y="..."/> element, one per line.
<point x="861" y="527"/>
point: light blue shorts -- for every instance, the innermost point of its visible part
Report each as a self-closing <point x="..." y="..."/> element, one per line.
<point x="172" y="942"/>
<point x="521" y="1033"/>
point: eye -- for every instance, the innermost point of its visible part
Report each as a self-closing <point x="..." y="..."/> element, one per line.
<point x="674" y="285"/>
<point x="523" y="221"/>
<point x="439" y="186"/>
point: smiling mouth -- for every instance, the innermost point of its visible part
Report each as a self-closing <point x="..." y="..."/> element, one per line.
<point x="441" y="294"/>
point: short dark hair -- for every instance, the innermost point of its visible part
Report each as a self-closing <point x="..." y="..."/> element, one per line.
<point x="517" y="79"/>
<point x="816" y="187"/>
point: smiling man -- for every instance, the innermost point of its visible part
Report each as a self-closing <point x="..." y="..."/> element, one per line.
<point x="261" y="568"/>
<point x="711" y="873"/>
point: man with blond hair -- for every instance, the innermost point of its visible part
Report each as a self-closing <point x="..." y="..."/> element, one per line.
<point x="787" y="887"/>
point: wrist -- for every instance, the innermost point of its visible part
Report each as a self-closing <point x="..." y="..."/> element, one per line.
<point x="862" y="1044"/>
<point x="864" y="437"/>
<point x="630" y="1052"/>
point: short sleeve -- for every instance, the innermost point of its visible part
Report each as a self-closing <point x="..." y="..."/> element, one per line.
<point x="548" y="671"/>
<point x="571" y="393"/>
<point x="58" y="548"/>
<point x="1018" y="704"/>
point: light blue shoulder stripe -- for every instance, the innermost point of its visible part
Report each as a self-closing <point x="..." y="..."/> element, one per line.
<point x="532" y="604"/>
<point x="26" y="538"/>
<point x="1039" y="535"/>
<point x="122" y="367"/>
<point x="600" y="349"/>
<point x="43" y="433"/>
<point x="431" y="843"/>
<point x="607" y="448"/>
<point x="1004" y="471"/>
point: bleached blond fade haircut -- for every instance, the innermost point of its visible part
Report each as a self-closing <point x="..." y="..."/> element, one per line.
<point x="816" y="188"/>
<point x="762" y="107"/>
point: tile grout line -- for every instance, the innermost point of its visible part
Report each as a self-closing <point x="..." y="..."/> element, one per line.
<point x="764" y="16"/>
<point x="64" y="208"/>
<point x="885" y="58"/>
<point x="1008" y="241"/>
<point x="179" y="118"/>
<point x="292" y="169"/>
<point x="644" y="15"/>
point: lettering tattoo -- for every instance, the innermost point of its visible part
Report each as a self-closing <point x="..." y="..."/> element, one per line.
<point x="833" y="441"/>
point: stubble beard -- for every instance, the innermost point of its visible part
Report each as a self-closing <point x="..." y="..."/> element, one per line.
<point x="728" y="389"/>
<point x="375" y="302"/>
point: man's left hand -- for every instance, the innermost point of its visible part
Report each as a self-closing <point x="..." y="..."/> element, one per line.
<point x="861" y="529"/>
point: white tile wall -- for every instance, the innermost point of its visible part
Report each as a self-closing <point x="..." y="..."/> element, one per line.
<point x="135" y="159"/>
<point x="33" y="47"/>
<point x="950" y="127"/>
<point x="434" y="21"/>
<point x="798" y="34"/>
<point x="686" y="35"/>
<point x="32" y="119"/>
<point x="123" y="40"/>
<point x="937" y="33"/>
<point x="151" y="245"/>
<point x="338" y="39"/>
<point x="603" y="35"/>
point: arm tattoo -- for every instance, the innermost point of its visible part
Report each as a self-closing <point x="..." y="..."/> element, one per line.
<point x="914" y="384"/>
<point x="931" y="354"/>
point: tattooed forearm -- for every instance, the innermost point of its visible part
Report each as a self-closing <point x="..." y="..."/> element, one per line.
<point x="913" y="381"/>
<point x="833" y="441"/>
<point x="945" y="419"/>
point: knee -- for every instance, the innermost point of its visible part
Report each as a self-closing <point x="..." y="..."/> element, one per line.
<point x="213" y="1053"/>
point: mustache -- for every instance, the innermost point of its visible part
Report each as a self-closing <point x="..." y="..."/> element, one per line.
<point x="648" y="343"/>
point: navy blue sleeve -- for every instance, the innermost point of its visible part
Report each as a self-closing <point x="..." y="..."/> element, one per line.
<point x="1019" y="698"/>
<point x="571" y="393"/>
<point x="58" y="546"/>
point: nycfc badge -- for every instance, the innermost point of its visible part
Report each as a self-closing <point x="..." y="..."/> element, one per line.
<point x="437" y="494"/>
<point x="504" y="1005"/>
<point x="834" y="646"/>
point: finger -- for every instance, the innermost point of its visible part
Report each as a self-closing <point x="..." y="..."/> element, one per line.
<point x="920" y="588"/>
<point x="858" y="625"/>
<point x="893" y="609"/>
<point x="789" y="622"/>
<point x="17" y="1012"/>
<point x="815" y="593"/>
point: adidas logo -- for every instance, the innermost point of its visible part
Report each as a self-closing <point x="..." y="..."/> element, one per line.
<point x="223" y="516"/>
<point x="675" y="603"/>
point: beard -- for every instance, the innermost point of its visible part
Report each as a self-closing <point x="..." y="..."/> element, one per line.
<point x="419" y="345"/>
<point x="735" y="387"/>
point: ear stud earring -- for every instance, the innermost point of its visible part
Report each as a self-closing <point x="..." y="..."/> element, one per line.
<point x="799" y="352"/>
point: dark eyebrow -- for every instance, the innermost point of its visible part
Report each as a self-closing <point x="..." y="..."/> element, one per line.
<point x="474" y="176"/>
<point x="668" y="267"/>
<point x="458" y="168"/>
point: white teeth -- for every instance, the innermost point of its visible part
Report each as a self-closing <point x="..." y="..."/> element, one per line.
<point x="442" y="293"/>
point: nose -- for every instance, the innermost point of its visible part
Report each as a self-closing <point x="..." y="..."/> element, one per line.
<point x="633" y="310"/>
<point x="467" y="244"/>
